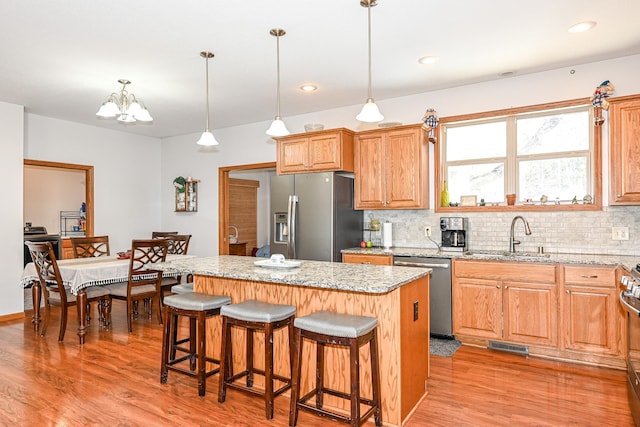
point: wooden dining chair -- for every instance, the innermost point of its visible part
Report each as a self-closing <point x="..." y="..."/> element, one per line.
<point x="178" y="245"/>
<point x="55" y="293"/>
<point x="88" y="247"/>
<point x="143" y="282"/>
<point x="161" y="234"/>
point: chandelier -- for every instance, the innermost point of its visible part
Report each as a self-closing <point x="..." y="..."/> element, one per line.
<point x="278" y="128"/>
<point x="370" y="112"/>
<point x="124" y="107"/>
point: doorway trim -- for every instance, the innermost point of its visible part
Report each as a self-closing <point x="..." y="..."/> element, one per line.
<point x="223" y="200"/>
<point x="88" y="176"/>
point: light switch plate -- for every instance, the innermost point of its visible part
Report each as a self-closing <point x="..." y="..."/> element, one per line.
<point x="619" y="233"/>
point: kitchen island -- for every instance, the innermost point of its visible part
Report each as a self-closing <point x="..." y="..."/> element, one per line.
<point x="397" y="296"/>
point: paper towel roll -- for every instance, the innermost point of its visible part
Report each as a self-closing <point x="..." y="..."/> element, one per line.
<point x="386" y="235"/>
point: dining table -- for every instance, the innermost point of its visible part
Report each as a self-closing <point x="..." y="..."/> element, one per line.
<point x="78" y="274"/>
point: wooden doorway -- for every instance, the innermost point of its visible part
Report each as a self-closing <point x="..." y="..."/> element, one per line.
<point x="88" y="175"/>
<point x="243" y="215"/>
<point x="224" y="202"/>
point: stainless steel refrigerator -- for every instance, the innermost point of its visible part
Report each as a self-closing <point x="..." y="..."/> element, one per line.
<point x="313" y="216"/>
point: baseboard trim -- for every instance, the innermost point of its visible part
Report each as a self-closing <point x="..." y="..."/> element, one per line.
<point x="14" y="316"/>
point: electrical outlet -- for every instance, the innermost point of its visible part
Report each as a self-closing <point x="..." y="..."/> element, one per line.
<point x="619" y="233"/>
<point x="427" y="231"/>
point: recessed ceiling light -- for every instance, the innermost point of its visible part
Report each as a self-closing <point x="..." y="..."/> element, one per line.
<point x="308" y="87"/>
<point x="581" y="27"/>
<point x="428" y="59"/>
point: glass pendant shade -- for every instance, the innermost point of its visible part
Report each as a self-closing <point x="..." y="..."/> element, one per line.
<point x="278" y="128"/>
<point x="370" y="112"/>
<point x="143" y="115"/>
<point x="207" y="139"/>
<point x="108" y="110"/>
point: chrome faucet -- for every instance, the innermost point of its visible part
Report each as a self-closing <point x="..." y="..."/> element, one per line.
<point x="512" y="241"/>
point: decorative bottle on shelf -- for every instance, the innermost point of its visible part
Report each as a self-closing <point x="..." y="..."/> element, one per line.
<point x="444" y="195"/>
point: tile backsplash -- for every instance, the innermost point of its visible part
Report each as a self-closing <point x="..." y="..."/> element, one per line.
<point x="564" y="232"/>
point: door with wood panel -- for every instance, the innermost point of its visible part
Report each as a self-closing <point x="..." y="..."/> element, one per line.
<point x="243" y="212"/>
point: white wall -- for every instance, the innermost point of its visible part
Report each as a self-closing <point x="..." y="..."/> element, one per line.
<point x="126" y="173"/>
<point x="249" y="144"/>
<point x="11" y="250"/>
<point x="47" y="191"/>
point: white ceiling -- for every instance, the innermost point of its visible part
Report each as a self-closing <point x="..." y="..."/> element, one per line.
<point x="62" y="58"/>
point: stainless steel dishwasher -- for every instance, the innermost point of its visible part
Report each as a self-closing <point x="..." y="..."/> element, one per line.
<point x="439" y="293"/>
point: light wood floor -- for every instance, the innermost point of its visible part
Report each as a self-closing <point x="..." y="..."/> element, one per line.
<point x="114" y="380"/>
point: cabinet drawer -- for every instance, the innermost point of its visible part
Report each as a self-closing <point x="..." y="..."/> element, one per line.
<point x="505" y="271"/>
<point x="367" y="259"/>
<point x="590" y="275"/>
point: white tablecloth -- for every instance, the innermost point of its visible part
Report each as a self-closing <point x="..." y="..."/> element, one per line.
<point x="80" y="273"/>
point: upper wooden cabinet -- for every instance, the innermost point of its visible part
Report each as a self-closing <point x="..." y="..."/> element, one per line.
<point x="391" y="168"/>
<point x="328" y="150"/>
<point x="624" y="150"/>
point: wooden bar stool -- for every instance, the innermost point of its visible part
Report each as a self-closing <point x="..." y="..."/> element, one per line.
<point x="254" y="316"/>
<point x="197" y="307"/>
<point x="326" y="327"/>
<point x="182" y="288"/>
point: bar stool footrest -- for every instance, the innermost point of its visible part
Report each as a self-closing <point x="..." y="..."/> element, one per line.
<point x="171" y="367"/>
<point x="232" y="383"/>
<point x="306" y="406"/>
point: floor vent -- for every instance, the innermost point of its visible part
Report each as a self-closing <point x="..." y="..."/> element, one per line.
<point x="511" y="348"/>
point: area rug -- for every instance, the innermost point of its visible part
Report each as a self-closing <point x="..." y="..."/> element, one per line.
<point x="443" y="347"/>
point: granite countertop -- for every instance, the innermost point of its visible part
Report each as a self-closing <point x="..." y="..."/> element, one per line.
<point x="628" y="262"/>
<point x="374" y="279"/>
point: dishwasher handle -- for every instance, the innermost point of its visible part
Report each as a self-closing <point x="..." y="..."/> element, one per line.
<point x="420" y="264"/>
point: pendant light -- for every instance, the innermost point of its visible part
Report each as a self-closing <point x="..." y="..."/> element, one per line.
<point x="207" y="138"/>
<point x="370" y="112"/>
<point x="278" y="128"/>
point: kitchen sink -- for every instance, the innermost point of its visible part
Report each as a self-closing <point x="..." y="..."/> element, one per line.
<point x="506" y="254"/>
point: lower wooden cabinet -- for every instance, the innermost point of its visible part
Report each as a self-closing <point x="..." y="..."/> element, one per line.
<point x="590" y="310"/>
<point x="569" y="311"/>
<point x="367" y="259"/>
<point x="66" y="250"/>
<point x="516" y="306"/>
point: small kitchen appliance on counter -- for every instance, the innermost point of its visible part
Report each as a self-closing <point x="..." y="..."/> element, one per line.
<point x="454" y="232"/>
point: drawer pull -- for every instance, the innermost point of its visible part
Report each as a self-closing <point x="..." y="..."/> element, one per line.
<point x="589" y="276"/>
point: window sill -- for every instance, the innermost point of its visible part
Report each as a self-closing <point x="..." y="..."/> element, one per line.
<point x="521" y="208"/>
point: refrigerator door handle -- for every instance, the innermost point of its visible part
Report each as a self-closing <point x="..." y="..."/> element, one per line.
<point x="291" y="225"/>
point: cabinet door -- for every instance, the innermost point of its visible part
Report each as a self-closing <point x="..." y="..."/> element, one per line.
<point x="293" y="155"/>
<point x="404" y="169"/>
<point x="477" y="308"/>
<point x="590" y="320"/>
<point x="324" y="152"/>
<point x="624" y="149"/>
<point x="369" y="171"/>
<point x="367" y="259"/>
<point x="530" y="313"/>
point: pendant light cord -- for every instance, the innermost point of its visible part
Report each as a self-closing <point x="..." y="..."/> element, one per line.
<point x="278" y="71"/>
<point x="206" y="56"/>
<point x="369" y="34"/>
